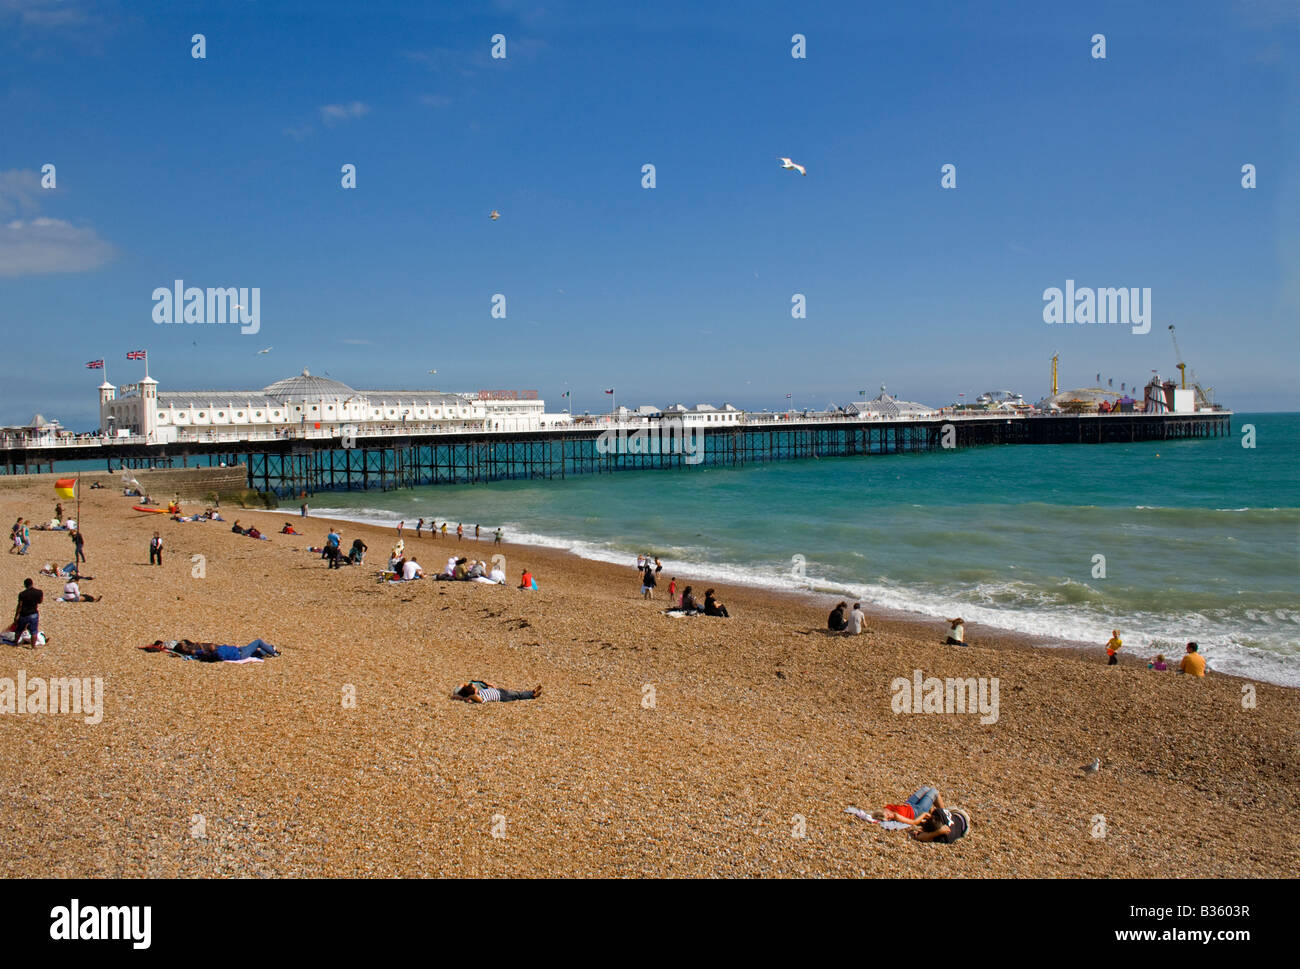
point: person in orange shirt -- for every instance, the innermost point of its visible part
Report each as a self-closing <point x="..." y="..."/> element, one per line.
<point x="1193" y="663"/>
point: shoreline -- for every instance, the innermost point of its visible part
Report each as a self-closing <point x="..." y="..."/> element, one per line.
<point x="913" y="624"/>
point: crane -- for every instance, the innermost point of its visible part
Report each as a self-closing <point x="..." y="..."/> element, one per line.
<point x="1202" y="394"/>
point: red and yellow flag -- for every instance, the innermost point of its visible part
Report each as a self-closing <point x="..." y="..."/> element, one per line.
<point x="66" y="488"/>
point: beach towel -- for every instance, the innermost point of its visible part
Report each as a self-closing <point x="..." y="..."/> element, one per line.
<point x="884" y="825"/>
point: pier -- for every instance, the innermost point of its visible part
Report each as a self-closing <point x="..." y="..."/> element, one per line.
<point x="314" y="462"/>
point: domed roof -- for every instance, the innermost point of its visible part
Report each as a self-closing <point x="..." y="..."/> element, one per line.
<point x="307" y="387"/>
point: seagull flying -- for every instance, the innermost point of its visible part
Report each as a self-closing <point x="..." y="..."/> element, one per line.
<point x="793" y="166"/>
<point x="1093" y="767"/>
<point x="433" y="371"/>
<point x="267" y="350"/>
<point x="494" y="215"/>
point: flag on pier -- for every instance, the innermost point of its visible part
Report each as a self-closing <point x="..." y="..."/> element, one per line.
<point x="137" y="354"/>
<point x="609" y="391"/>
<point x="565" y="394"/>
<point x="95" y="365"/>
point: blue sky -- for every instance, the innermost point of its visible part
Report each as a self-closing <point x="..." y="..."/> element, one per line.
<point x="225" y="171"/>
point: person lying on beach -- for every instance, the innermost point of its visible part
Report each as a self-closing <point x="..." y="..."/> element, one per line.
<point x="288" y="529"/>
<point x="213" y="652"/>
<point x="910" y="811"/>
<point x="236" y="528"/>
<point x="480" y="691"/>
<point x="956" y="632"/>
<point x="254" y="533"/>
<point x="941" y="824"/>
<point x="713" y="607"/>
<point x="838" y="621"/>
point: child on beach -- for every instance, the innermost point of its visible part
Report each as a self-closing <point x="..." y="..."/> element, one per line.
<point x="1158" y="663"/>
<point x="1113" y="647"/>
<point x="672" y="591"/>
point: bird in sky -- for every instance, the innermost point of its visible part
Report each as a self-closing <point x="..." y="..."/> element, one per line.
<point x="267" y="350"/>
<point x="494" y="215"/>
<point x="793" y="166"/>
<point x="433" y="371"/>
<point x="1093" y="767"/>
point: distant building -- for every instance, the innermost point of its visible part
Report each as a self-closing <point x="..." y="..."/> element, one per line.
<point x="704" y="415"/>
<point x="306" y="405"/>
<point x="884" y="407"/>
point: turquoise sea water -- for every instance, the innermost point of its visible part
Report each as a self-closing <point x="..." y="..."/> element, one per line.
<point x="1201" y="539"/>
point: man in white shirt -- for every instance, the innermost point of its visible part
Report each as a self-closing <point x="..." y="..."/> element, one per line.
<point x="857" y="620"/>
<point x="411" y="570"/>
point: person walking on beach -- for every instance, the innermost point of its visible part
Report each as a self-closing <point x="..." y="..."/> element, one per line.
<point x="956" y="632"/>
<point x="444" y="529"/>
<point x="460" y="532"/>
<point x="476" y="533"/>
<point x="25" y="533"/>
<point x="497" y="540"/>
<point x="1113" y="647"/>
<point x="79" y="544"/>
<point x="400" y="525"/>
<point x="672" y="591"/>
<point x="155" y="549"/>
<point x="1193" y="662"/>
<point x="857" y="620"/>
<point x="332" y="549"/>
<point x="304" y="509"/>
<point x="27" y="617"/>
<point x="419" y="527"/>
<point x="648" y="583"/>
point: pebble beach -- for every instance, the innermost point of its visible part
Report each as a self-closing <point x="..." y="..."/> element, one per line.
<point x="660" y="747"/>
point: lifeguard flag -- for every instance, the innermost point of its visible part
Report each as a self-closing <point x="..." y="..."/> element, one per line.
<point x="318" y="425"/>
<point x="66" y="488"/>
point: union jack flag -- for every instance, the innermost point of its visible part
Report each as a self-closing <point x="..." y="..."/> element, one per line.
<point x="95" y="365"/>
<point x="136" y="354"/>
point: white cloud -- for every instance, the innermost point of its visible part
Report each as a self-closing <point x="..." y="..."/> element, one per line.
<point x="45" y="245"/>
<point x="44" y="13"/>
<point x="299" y="131"/>
<point x="334" y="113"/>
<point x="19" y="189"/>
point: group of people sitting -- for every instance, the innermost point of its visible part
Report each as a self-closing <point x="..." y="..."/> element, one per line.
<point x="251" y="531"/>
<point x="691" y="606"/>
<point x="843" y="620"/>
<point x="470" y="570"/>
<point x="208" y="515"/>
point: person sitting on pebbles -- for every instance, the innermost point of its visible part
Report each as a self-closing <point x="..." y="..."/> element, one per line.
<point x="481" y="691"/>
<point x="956" y="632"/>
